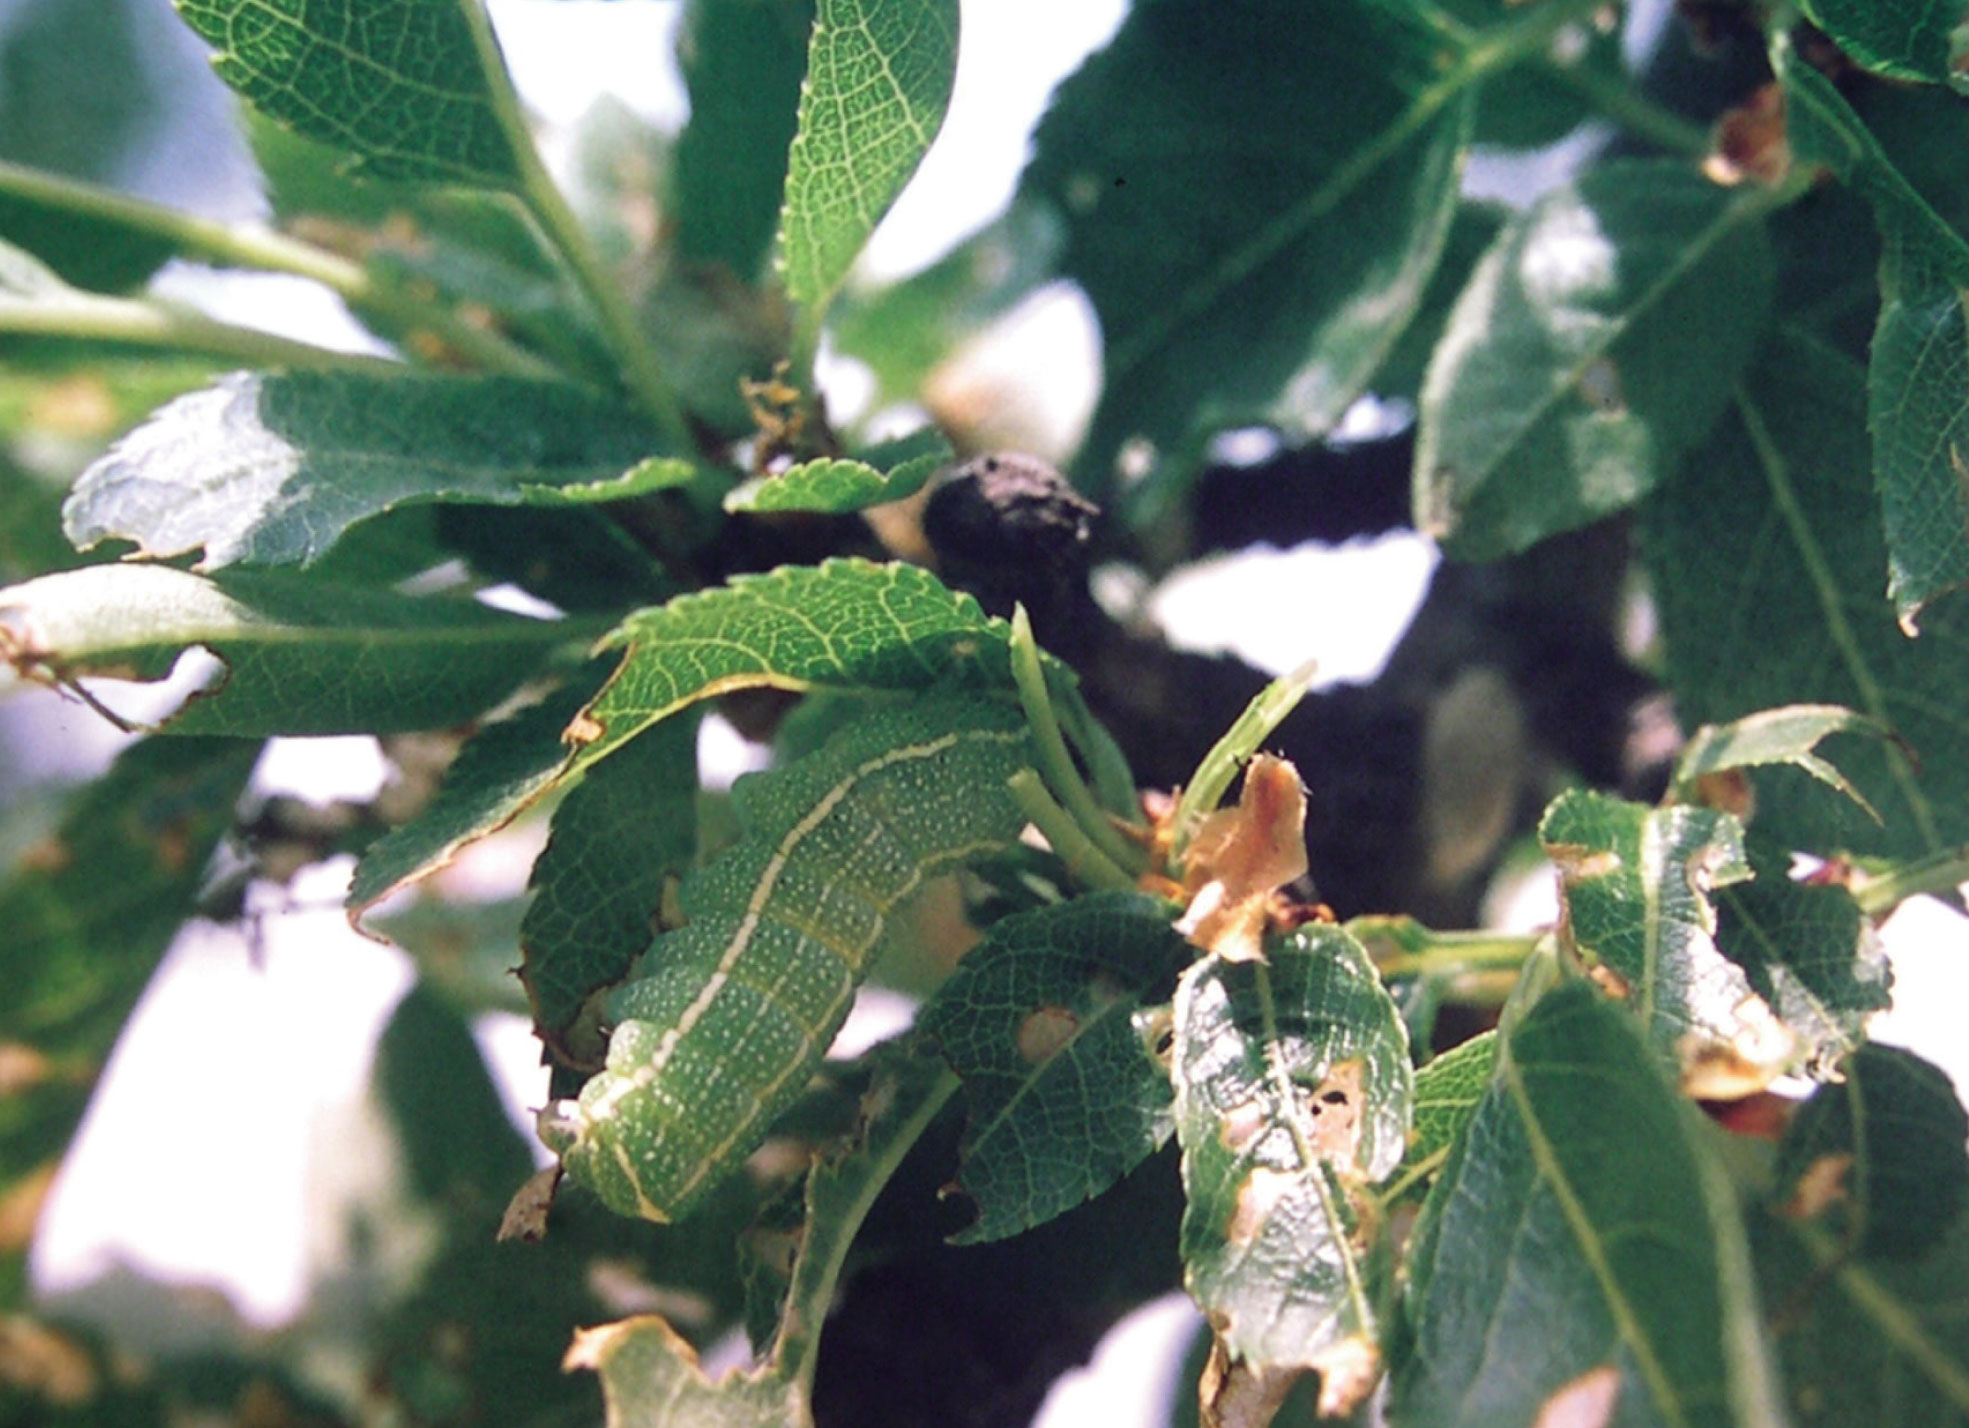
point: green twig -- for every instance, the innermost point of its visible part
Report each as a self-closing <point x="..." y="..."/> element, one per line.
<point x="1403" y="947"/>
<point x="142" y="323"/>
<point x="1880" y="893"/>
<point x="1114" y="781"/>
<point x="264" y="250"/>
<point x="1055" y="763"/>
<point x="1083" y="859"/>
<point x="1615" y="97"/>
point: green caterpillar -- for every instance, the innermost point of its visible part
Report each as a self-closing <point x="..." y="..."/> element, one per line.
<point x="730" y="1014"/>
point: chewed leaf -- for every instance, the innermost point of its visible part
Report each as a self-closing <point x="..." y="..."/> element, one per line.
<point x="1774" y="736"/>
<point x="299" y="656"/>
<point x="272" y="469"/>
<point x="650" y="1374"/>
<point x="731" y="1012"/>
<point x="1292" y="1093"/>
<point x="1580" y="1223"/>
<point x="1636" y="884"/>
<point x="845" y="624"/>
<point x="887" y="472"/>
<point x="1065" y="1096"/>
<point x="401" y="84"/>
<point x="879" y="77"/>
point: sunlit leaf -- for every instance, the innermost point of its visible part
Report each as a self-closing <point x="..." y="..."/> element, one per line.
<point x="879" y="77"/>
<point x="403" y="85"/>
<point x="1447" y="1091"/>
<point x="1582" y="1227"/>
<point x="1595" y="344"/>
<point x="888" y="472"/>
<point x="273" y="469"/>
<point x="298" y="656"/>
<point x="1064" y="1092"/>
<point x="726" y="1016"/>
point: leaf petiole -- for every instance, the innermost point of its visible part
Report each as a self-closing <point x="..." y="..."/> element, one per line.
<point x="1086" y="861"/>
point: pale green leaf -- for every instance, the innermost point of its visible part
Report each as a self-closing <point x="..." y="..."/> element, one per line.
<point x="1252" y="246"/>
<point x="1582" y="1227"/>
<point x="1908" y="39"/>
<point x="1916" y="402"/>
<point x="1447" y="1091"/>
<point x="1293" y="1090"/>
<point x="719" y="1028"/>
<point x="879" y="75"/>
<point x="1637" y="885"/>
<point x="628" y="828"/>
<point x="273" y="469"/>
<point x="403" y="85"/>
<point x="845" y="624"/>
<point x="887" y="472"/>
<point x="650" y="1374"/>
<point x="1765" y="555"/>
<point x="1773" y="736"/>
<point x="297" y="656"/>
<point x="1038" y="1020"/>
<point x="1595" y="344"/>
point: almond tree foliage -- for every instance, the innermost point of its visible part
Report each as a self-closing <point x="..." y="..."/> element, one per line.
<point x="1412" y="1171"/>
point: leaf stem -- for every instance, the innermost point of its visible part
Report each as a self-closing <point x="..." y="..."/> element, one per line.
<point x="1403" y="947"/>
<point x="1214" y="774"/>
<point x="1615" y="97"/>
<point x="1055" y="762"/>
<point x="144" y="323"/>
<point x="264" y="250"/>
<point x="1086" y="861"/>
<point x="1880" y="893"/>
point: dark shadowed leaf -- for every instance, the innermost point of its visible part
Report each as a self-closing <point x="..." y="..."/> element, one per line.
<point x="1765" y="552"/>
<point x="878" y="81"/>
<point x="1582" y="1237"/>
<point x="273" y="469"/>
<point x="298" y="656"/>
<point x="1595" y="344"/>
<point x="1252" y="248"/>
<point x="405" y="86"/>
<point x="1293" y="1090"/>
<point x="1908" y="39"/>
<point x="1065" y="1095"/>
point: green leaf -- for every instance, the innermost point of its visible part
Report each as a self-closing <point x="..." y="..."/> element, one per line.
<point x="879" y="77"/>
<point x="1636" y="884"/>
<point x="273" y="469"/>
<point x="88" y="915"/>
<point x="500" y="773"/>
<point x="1809" y="951"/>
<point x="1528" y="105"/>
<point x="1038" y="1020"/>
<point x="1447" y="1091"/>
<point x="728" y="1015"/>
<point x="1898" y="1176"/>
<point x="1252" y="249"/>
<point x="1908" y="39"/>
<point x="650" y="1374"/>
<point x="888" y="472"/>
<point x="1773" y="736"/>
<point x="1595" y="344"/>
<point x="742" y="61"/>
<point x="845" y="624"/>
<point x="409" y="87"/>
<point x="1914" y="392"/>
<point x="300" y="656"/>
<point x="1765" y="552"/>
<point x="1293" y="1090"/>
<point x="628" y="828"/>
<point x="1582" y="1237"/>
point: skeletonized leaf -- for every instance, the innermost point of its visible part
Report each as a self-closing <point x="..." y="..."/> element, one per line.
<point x="879" y="75"/>
<point x="1252" y="248"/>
<point x="272" y="469"/>
<point x="628" y="828"/>
<point x="1773" y="736"/>
<point x="887" y="472"/>
<point x="1292" y="1091"/>
<point x="1595" y="343"/>
<point x="1766" y="553"/>
<point x="1636" y="883"/>
<point x="728" y="1014"/>
<point x="1581" y="1227"/>
<point x="298" y="656"/>
<point x="1915" y="396"/>
<point x="1447" y="1091"/>
<point x="842" y="624"/>
<point x="1808" y="950"/>
<point x="1065" y="1096"/>
<point x="403" y="85"/>
<point x="1908" y="39"/>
